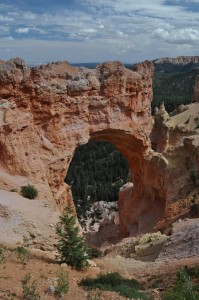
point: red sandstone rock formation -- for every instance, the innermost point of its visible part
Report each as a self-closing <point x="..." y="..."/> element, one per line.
<point x="47" y="111"/>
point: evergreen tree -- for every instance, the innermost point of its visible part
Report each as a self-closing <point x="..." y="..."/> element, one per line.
<point x="71" y="246"/>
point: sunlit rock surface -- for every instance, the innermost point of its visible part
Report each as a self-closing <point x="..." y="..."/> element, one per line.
<point x="47" y="111"/>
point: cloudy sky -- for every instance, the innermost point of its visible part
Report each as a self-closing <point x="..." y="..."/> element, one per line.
<point x="98" y="30"/>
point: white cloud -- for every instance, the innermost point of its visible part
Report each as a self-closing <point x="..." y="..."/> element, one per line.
<point x="151" y="28"/>
<point x="22" y="30"/>
<point x="183" y="35"/>
<point x="88" y="30"/>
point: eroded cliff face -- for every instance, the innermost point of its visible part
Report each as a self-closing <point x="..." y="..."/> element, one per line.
<point x="46" y="112"/>
<point x="180" y="60"/>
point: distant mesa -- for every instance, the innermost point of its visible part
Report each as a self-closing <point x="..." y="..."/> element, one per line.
<point x="178" y="64"/>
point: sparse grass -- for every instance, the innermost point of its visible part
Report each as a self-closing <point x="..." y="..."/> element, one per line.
<point x="29" y="191"/>
<point x="62" y="287"/>
<point x="23" y="255"/>
<point x="29" y="288"/>
<point x="2" y="256"/>
<point x="116" y="283"/>
<point x="97" y="296"/>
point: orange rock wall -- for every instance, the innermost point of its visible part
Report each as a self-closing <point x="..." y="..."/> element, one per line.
<point x="47" y="111"/>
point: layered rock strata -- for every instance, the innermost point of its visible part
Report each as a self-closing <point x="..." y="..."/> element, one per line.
<point x="47" y="111"/>
<point x="183" y="242"/>
<point x="180" y="60"/>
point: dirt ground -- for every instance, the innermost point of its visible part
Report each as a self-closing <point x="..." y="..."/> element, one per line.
<point x="44" y="270"/>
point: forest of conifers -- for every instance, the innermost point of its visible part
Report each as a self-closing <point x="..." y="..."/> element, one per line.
<point x="173" y="88"/>
<point x="96" y="173"/>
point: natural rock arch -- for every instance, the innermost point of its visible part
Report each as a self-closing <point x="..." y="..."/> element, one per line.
<point x="46" y="112"/>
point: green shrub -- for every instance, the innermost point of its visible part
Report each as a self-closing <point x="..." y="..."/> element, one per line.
<point x="94" y="252"/>
<point x="194" y="176"/>
<point x="29" y="191"/>
<point x="196" y="287"/>
<point x="2" y="257"/>
<point x="62" y="287"/>
<point x="115" y="282"/>
<point x="71" y="245"/>
<point x="29" y="289"/>
<point x="23" y="255"/>
<point x="193" y="271"/>
<point x="183" y="289"/>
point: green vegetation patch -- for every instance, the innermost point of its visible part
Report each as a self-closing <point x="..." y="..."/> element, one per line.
<point x="62" y="287"/>
<point x="29" y="288"/>
<point x="193" y="271"/>
<point x="23" y="254"/>
<point x="96" y="173"/>
<point x="29" y="191"/>
<point x="2" y="256"/>
<point x="183" y="289"/>
<point x="72" y="248"/>
<point x="173" y="88"/>
<point x="116" y="283"/>
<point x="94" y="252"/>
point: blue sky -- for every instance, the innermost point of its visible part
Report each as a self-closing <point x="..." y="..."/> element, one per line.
<point x="98" y="30"/>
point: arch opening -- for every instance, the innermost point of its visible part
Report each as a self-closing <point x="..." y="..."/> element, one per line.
<point x="96" y="173"/>
<point x="141" y="205"/>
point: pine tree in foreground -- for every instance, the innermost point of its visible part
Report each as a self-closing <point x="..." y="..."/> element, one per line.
<point x="71" y="245"/>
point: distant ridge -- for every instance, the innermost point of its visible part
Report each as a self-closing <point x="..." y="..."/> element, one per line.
<point x="91" y="65"/>
<point x="179" y="60"/>
<point x="176" y="64"/>
<point x="174" y="81"/>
